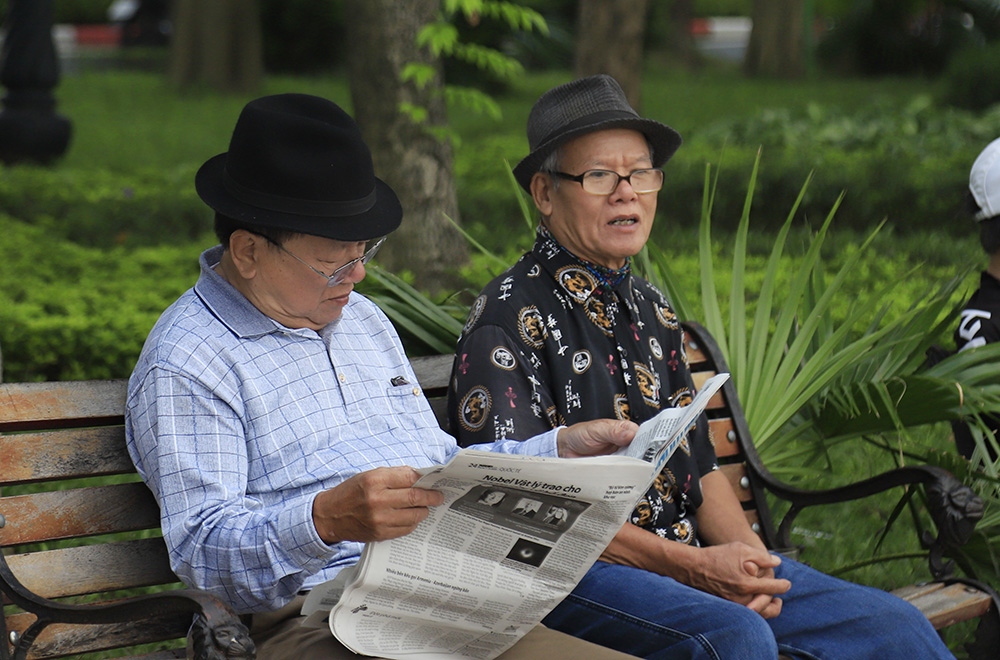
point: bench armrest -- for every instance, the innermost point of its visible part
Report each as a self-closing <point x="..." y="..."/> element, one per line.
<point x="216" y="631"/>
<point x="954" y="507"/>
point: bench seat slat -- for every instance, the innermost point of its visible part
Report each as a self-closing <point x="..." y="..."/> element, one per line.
<point x="89" y="569"/>
<point x="945" y="605"/>
<point x="66" y="454"/>
<point x="65" y="514"/>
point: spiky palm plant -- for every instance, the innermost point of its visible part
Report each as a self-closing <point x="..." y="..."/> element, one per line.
<point x="809" y="382"/>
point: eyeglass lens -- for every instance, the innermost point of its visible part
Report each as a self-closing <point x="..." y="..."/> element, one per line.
<point x="371" y="247"/>
<point x="605" y="182"/>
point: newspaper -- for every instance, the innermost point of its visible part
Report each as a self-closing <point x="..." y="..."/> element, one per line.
<point x="514" y="536"/>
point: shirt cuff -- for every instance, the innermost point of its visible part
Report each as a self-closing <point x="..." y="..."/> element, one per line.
<point x="543" y="444"/>
<point x="305" y="546"/>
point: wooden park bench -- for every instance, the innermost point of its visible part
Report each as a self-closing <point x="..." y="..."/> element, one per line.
<point x="80" y="532"/>
<point x="84" y="568"/>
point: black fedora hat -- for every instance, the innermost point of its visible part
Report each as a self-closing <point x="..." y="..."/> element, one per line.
<point x="594" y="103"/>
<point x="297" y="162"/>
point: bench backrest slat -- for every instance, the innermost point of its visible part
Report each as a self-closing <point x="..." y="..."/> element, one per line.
<point x="61" y="404"/>
<point x="733" y="444"/>
<point x="70" y="571"/>
<point x="76" y="512"/>
<point x="63" y="454"/>
<point x="55" y="438"/>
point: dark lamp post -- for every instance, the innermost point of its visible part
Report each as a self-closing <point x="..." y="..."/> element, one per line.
<point x="30" y="129"/>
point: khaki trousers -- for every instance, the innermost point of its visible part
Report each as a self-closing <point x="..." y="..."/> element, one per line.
<point x="280" y="636"/>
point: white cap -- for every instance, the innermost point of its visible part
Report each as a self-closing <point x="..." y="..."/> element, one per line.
<point x="984" y="181"/>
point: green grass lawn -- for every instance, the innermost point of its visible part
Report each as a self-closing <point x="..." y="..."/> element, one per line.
<point x="128" y="119"/>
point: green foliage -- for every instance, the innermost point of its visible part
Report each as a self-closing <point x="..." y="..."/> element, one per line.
<point x="813" y="385"/>
<point x="100" y="208"/>
<point x="443" y="40"/>
<point x="516" y="15"/>
<point x="73" y="11"/>
<point x="425" y="326"/>
<point x="906" y="164"/>
<point x="973" y="78"/>
<point x="69" y="312"/>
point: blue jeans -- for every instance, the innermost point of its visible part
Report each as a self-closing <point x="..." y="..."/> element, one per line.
<point x="822" y="618"/>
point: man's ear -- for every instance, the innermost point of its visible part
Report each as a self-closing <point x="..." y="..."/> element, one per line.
<point x="245" y="249"/>
<point x="542" y="187"/>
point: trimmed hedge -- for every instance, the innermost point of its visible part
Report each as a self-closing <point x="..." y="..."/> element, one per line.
<point x="70" y="312"/>
<point x="909" y="165"/>
<point x="100" y="208"/>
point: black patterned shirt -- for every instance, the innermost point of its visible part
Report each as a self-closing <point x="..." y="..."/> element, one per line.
<point x="545" y="345"/>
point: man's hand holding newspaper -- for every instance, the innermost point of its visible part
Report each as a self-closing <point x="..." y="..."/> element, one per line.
<point x="514" y="536"/>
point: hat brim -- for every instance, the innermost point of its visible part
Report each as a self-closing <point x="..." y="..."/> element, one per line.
<point x="663" y="140"/>
<point x="382" y="219"/>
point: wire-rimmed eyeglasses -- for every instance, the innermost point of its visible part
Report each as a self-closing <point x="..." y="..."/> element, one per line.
<point x="605" y="182"/>
<point x="341" y="273"/>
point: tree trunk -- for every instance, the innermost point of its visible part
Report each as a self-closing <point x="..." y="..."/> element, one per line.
<point x="775" y="47"/>
<point x="216" y="43"/>
<point x="609" y="39"/>
<point x="682" y="45"/>
<point x="418" y="165"/>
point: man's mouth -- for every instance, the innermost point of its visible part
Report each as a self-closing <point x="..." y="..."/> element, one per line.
<point x="624" y="221"/>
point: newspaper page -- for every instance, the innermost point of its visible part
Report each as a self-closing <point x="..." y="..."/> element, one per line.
<point x="514" y="536"/>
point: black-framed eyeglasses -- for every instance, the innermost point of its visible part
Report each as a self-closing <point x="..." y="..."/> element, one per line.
<point x="605" y="182"/>
<point x="341" y="273"/>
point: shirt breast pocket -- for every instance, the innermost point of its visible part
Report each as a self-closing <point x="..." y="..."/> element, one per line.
<point x="407" y="407"/>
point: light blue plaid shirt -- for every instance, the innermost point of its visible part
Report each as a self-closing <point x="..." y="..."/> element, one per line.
<point x="236" y="423"/>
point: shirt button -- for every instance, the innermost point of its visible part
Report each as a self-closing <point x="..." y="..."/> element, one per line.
<point x="343" y="378"/>
<point x="416" y="391"/>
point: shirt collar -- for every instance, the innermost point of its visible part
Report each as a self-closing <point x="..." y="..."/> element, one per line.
<point x="556" y="259"/>
<point x="227" y="304"/>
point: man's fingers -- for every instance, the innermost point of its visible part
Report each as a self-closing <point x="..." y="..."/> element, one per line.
<point x="618" y="432"/>
<point x="420" y="497"/>
<point x="760" y="602"/>
<point x="770" y="586"/>
<point x="761" y="561"/>
<point x="765" y="605"/>
<point x="373" y="506"/>
<point x="596" y="437"/>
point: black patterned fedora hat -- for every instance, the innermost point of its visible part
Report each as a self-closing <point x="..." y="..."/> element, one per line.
<point x="298" y="162"/>
<point x="586" y="105"/>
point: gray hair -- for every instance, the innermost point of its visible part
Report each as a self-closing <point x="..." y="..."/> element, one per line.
<point x="551" y="164"/>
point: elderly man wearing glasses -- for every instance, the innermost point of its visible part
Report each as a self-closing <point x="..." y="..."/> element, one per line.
<point x="569" y="334"/>
<point x="272" y="411"/>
